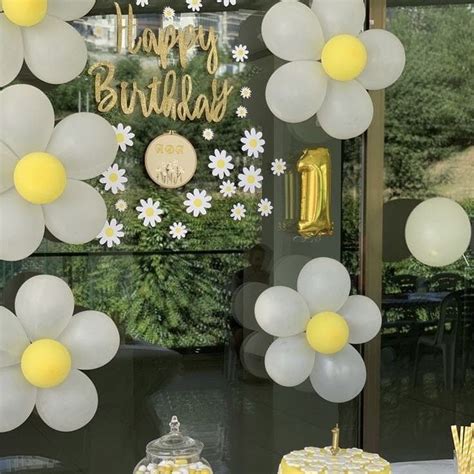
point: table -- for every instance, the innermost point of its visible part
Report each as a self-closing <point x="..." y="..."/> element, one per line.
<point x="404" y="300"/>
<point x="424" y="467"/>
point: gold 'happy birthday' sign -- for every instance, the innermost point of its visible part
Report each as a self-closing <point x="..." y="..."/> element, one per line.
<point x="166" y="94"/>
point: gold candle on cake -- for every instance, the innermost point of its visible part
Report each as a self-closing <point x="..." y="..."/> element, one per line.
<point x="335" y="440"/>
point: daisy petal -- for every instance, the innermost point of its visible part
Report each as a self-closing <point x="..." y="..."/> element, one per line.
<point x="69" y="406"/>
<point x="21" y="227"/>
<point x="86" y="145"/>
<point x="340" y="16"/>
<point x="44" y="305"/>
<point x="17" y="400"/>
<point x="67" y="52"/>
<point x="13" y="340"/>
<point x="8" y="161"/>
<point x="11" y="50"/>
<point x="27" y="119"/>
<point x="78" y="215"/>
<point x="70" y="10"/>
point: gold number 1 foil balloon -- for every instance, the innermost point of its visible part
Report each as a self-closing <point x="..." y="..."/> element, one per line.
<point x="315" y="214"/>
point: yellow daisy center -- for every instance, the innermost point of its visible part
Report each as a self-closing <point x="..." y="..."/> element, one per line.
<point x="327" y="332"/>
<point x="113" y="177"/>
<point x="120" y="137"/>
<point x="220" y="164"/>
<point x="251" y="179"/>
<point x="253" y="143"/>
<point x="46" y="363"/>
<point x="109" y="232"/>
<point x="198" y="202"/>
<point x="40" y="178"/>
<point x="25" y="12"/>
<point x="149" y="212"/>
<point x="344" y="57"/>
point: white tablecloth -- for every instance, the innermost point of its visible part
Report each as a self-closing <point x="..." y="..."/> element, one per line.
<point x="424" y="467"/>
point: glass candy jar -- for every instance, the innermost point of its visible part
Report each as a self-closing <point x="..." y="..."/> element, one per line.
<point x="174" y="453"/>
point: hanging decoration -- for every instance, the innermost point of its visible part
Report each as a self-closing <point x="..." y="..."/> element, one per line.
<point x="178" y="231"/>
<point x="111" y="233"/>
<point x="42" y="352"/>
<point x="316" y="326"/>
<point x="197" y="203"/>
<point x="238" y="212"/>
<point x="278" y="167"/>
<point x="42" y="171"/>
<point x="114" y="179"/>
<point x="332" y="63"/>
<point x="221" y="164"/>
<point x="124" y="136"/>
<point x="149" y="212"/>
<point x="265" y="207"/>
<point x="253" y="143"/>
<point x="32" y="31"/>
<point x="250" y="179"/>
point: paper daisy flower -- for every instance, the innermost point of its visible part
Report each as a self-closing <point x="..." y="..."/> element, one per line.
<point x="178" y="231"/>
<point x="241" y="111"/>
<point x="142" y="3"/>
<point x="111" y="233"/>
<point x="226" y="3"/>
<point x="315" y="327"/>
<point x="168" y="13"/>
<point x="42" y="171"/>
<point x="220" y="164"/>
<point x="194" y="5"/>
<point x="197" y="203"/>
<point x="114" y="179"/>
<point x="278" y="167"/>
<point x="250" y="179"/>
<point x="253" y="143"/>
<point x="240" y="53"/>
<point x="121" y="205"/>
<point x="238" y="212"/>
<point x="150" y="212"/>
<point x="332" y="62"/>
<point x="208" y="134"/>
<point x="32" y="31"/>
<point x="43" y="350"/>
<point x="124" y="136"/>
<point x="265" y="207"/>
<point x="227" y="189"/>
<point x="245" y="92"/>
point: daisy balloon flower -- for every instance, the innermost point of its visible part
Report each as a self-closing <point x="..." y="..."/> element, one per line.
<point x="332" y="63"/>
<point x="43" y="349"/>
<point x="42" y="171"/>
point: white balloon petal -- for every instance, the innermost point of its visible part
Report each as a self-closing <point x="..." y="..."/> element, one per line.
<point x="347" y="111"/>
<point x="70" y="10"/>
<point x="27" y="119"/>
<point x="438" y="232"/>
<point x="325" y="284"/>
<point x="340" y="377"/>
<point x="296" y="90"/>
<point x="385" y="59"/>
<point x="252" y="353"/>
<point x="21" y="226"/>
<point x="243" y="304"/>
<point x="292" y="32"/>
<point x="11" y="50"/>
<point x="363" y="317"/>
<point x="282" y="312"/>
<point x="78" y="216"/>
<point x="54" y="51"/>
<point x="86" y="145"/>
<point x="340" y="16"/>
<point x="8" y="161"/>
<point x="92" y="340"/>
<point x="290" y="360"/>
<point x="44" y="304"/>
<point x="17" y="399"/>
<point x="13" y="339"/>
<point x="69" y="406"/>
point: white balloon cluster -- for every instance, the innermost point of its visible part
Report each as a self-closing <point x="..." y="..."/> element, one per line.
<point x="323" y="286"/>
<point x="331" y="64"/>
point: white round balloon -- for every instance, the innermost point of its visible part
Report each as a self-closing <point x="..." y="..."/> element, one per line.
<point x="325" y="285"/>
<point x="252" y="353"/>
<point x="243" y="304"/>
<point x="290" y="360"/>
<point x="438" y="232"/>
<point x="296" y="90"/>
<point x="282" y="312"/>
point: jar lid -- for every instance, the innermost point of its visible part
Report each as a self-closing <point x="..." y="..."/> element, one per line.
<point x="174" y="444"/>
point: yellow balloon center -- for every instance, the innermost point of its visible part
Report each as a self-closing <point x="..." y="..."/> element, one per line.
<point x="25" y="12"/>
<point x="327" y="332"/>
<point x="40" y="178"/>
<point x="46" y="363"/>
<point x="344" y="57"/>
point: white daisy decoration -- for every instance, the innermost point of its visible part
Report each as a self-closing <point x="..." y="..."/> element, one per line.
<point x="124" y="136"/>
<point x="114" y="179"/>
<point x="245" y="92"/>
<point x="208" y="134"/>
<point x="168" y="13"/>
<point x="253" y="143"/>
<point x="178" y="231"/>
<point x="241" y="111"/>
<point x="265" y="207"/>
<point x="142" y="3"/>
<point x="240" y="53"/>
<point x="278" y="167"/>
<point x="227" y="189"/>
<point x="150" y="212"/>
<point x="111" y="233"/>
<point x="238" y="212"/>
<point x="227" y="2"/>
<point x="250" y="179"/>
<point x="121" y="205"/>
<point x="194" y="5"/>
<point x="220" y="164"/>
<point x="198" y="202"/>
